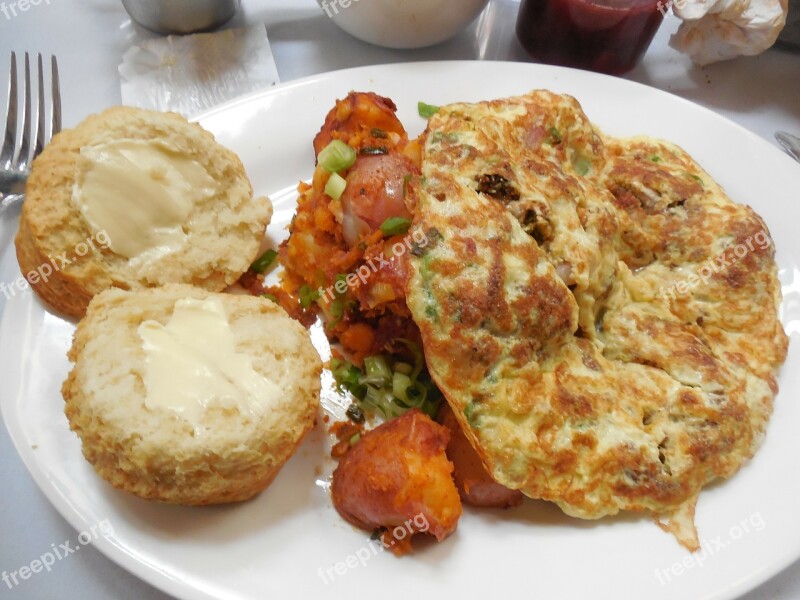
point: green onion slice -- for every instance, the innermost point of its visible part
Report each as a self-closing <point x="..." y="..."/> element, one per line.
<point x="337" y="156"/>
<point x="377" y="371"/>
<point x="263" y="262"/>
<point x="387" y="387"/>
<point x="307" y="296"/>
<point x="335" y="186"/>
<point x="395" y="225"/>
<point x="426" y="111"/>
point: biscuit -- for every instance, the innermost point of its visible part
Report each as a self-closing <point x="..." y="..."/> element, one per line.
<point x="67" y="255"/>
<point x="227" y="454"/>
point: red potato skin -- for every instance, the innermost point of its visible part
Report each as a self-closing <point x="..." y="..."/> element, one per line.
<point x="376" y="188"/>
<point x="353" y="115"/>
<point x="396" y="472"/>
<point x="475" y="485"/>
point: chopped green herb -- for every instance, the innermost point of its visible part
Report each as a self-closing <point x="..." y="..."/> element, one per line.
<point x="440" y="136"/>
<point x="555" y="135"/>
<point x="581" y="164"/>
<point x="426" y="111"/>
<point x="469" y="413"/>
<point x="377" y="371"/>
<point x="390" y="388"/>
<point x="346" y="375"/>
<point x="696" y="178"/>
<point x="337" y="309"/>
<point x="272" y="297"/>
<point x="395" y="225"/>
<point x="400" y="384"/>
<point x="336" y="157"/>
<point x="419" y="358"/>
<point x="263" y="262"/>
<point x="308" y="296"/>
<point x="655" y="158"/>
<point x="354" y="439"/>
<point x="335" y="186"/>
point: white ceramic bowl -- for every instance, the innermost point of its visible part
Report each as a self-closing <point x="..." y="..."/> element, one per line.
<point x="402" y="23"/>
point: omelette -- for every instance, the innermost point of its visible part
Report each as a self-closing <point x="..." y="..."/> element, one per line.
<point x="600" y="316"/>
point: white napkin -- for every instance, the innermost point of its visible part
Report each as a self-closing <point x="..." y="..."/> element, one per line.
<point x="714" y="30"/>
<point x="192" y="73"/>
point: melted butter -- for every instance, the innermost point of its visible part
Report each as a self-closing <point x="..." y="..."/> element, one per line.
<point x="141" y="193"/>
<point x="191" y="362"/>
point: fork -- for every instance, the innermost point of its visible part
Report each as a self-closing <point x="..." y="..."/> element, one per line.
<point x="790" y="143"/>
<point x="15" y="159"/>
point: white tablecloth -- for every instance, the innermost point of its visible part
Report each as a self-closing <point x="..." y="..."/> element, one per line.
<point x="89" y="38"/>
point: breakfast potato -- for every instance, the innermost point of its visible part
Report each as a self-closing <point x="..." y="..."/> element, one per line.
<point x="474" y="483"/>
<point x="356" y="117"/>
<point x="398" y="475"/>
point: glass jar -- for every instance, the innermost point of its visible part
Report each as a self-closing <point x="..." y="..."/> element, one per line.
<point x="609" y="36"/>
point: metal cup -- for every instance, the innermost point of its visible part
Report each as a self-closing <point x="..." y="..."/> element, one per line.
<point x="181" y="16"/>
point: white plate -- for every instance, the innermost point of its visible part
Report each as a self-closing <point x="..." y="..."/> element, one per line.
<point x="277" y="545"/>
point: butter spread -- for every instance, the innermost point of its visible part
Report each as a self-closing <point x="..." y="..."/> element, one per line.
<point x="141" y="193"/>
<point x="192" y="362"/>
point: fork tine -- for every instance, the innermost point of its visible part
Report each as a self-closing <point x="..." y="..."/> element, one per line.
<point x="56" y="124"/>
<point x="37" y="150"/>
<point x="10" y="138"/>
<point x="25" y="143"/>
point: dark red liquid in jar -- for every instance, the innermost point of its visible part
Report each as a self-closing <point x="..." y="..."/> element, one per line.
<point x="609" y="36"/>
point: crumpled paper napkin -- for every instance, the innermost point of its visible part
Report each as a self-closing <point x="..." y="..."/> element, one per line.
<point x="715" y="30"/>
<point x="192" y="73"/>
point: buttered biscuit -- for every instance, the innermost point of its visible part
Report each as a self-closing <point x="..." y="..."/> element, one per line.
<point x="133" y="198"/>
<point x="187" y="396"/>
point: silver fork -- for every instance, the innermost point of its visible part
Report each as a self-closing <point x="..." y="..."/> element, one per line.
<point x="15" y="160"/>
<point x="790" y="143"/>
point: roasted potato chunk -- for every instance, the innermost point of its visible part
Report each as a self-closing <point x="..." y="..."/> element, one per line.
<point x="398" y="474"/>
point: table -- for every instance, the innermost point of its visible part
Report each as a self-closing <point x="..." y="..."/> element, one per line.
<point x="89" y="37"/>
